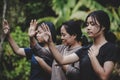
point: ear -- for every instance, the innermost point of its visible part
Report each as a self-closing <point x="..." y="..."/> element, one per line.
<point x="74" y="35"/>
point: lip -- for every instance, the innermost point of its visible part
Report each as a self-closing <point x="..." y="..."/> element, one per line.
<point x="63" y="40"/>
<point x="89" y="32"/>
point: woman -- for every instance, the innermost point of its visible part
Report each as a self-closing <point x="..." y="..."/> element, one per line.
<point x="98" y="59"/>
<point x="71" y="36"/>
<point x="38" y="72"/>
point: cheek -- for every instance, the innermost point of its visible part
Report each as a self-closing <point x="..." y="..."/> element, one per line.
<point x="96" y="30"/>
<point x="39" y="38"/>
<point x="67" y="40"/>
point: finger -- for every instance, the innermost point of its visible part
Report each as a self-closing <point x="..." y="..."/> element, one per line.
<point x="35" y="22"/>
<point x="5" y="24"/>
<point x="89" y="51"/>
<point x="43" y="27"/>
<point x="31" y="22"/>
<point x="36" y="32"/>
<point x="6" y="31"/>
<point x="47" y="28"/>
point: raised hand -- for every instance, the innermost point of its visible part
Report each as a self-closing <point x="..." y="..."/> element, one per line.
<point x="47" y="34"/>
<point x="6" y="28"/>
<point x="32" y="28"/>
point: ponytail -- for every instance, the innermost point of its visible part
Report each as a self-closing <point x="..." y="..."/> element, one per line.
<point x="110" y="37"/>
<point x="84" y="40"/>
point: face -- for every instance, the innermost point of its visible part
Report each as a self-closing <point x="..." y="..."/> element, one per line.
<point x="93" y="28"/>
<point x="67" y="39"/>
<point x="39" y="35"/>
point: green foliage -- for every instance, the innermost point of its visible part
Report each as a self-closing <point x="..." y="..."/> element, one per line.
<point x="65" y="10"/>
<point x="16" y="67"/>
<point x="56" y="11"/>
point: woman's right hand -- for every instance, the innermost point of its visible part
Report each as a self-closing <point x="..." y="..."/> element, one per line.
<point x="32" y="28"/>
<point x="47" y="34"/>
<point x="6" y="28"/>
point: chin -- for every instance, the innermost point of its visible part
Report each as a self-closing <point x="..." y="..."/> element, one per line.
<point x="39" y="41"/>
<point x="65" y="44"/>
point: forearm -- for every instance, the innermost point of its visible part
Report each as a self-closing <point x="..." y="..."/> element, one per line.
<point x="33" y="42"/>
<point x="62" y="60"/>
<point x="73" y="72"/>
<point x="58" y="57"/>
<point x="44" y="65"/>
<point x="100" y="71"/>
<point x="71" y="68"/>
<point x="14" y="46"/>
<point x="39" y="50"/>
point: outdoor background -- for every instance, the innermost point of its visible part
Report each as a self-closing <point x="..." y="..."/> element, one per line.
<point x="19" y="14"/>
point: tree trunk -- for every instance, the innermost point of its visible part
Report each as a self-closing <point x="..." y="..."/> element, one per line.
<point x="2" y="35"/>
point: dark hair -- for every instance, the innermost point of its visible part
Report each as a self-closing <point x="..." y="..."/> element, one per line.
<point x="73" y="27"/>
<point x="52" y="29"/>
<point x="104" y="21"/>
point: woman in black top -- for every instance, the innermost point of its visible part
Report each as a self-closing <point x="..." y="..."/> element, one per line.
<point x="98" y="59"/>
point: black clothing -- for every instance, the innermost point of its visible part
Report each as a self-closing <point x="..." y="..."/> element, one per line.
<point x="107" y="52"/>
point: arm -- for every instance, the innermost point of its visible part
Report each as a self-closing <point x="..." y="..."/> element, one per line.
<point x="103" y="72"/>
<point x="32" y="32"/>
<point x="73" y="71"/>
<point x="33" y="42"/>
<point x="42" y="55"/>
<point x="58" y="57"/>
<point x="37" y="48"/>
<point x="62" y="59"/>
<point x="43" y="64"/>
<point x="15" y="47"/>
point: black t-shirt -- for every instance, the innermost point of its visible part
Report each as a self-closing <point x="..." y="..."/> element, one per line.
<point x="107" y="52"/>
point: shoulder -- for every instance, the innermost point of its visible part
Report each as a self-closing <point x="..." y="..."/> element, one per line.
<point x="61" y="47"/>
<point x="109" y="50"/>
<point x="110" y="46"/>
<point x="82" y="51"/>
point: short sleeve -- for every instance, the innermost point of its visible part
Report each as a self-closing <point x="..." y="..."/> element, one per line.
<point x="79" y="53"/>
<point x="28" y="53"/>
<point x="43" y="53"/>
<point x="37" y="50"/>
<point x="111" y="53"/>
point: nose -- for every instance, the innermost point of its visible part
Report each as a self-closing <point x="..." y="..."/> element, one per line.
<point x="61" y="37"/>
<point x="88" y="27"/>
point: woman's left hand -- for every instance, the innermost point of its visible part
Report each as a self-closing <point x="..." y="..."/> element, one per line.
<point x="92" y="53"/>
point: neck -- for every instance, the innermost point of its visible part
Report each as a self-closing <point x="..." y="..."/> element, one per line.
<point x="100" y="40"/>
<point x="76" y="44"/>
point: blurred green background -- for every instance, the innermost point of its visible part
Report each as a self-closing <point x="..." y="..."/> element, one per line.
<point x="19" y="14"/>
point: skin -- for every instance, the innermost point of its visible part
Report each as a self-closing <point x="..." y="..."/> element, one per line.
<point x="20" y="51"/>
<point x="99" y="40"/>
<point x="39" y="35"/>
<point x="94" y="32"/>
<point x="67" y="39"/>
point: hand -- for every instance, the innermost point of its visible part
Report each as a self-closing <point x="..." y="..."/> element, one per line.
<point x="47" y="34"/>
<point x="6" y="28"/>
<point x="32" y="28"/>
<point x="92" y="53"/>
